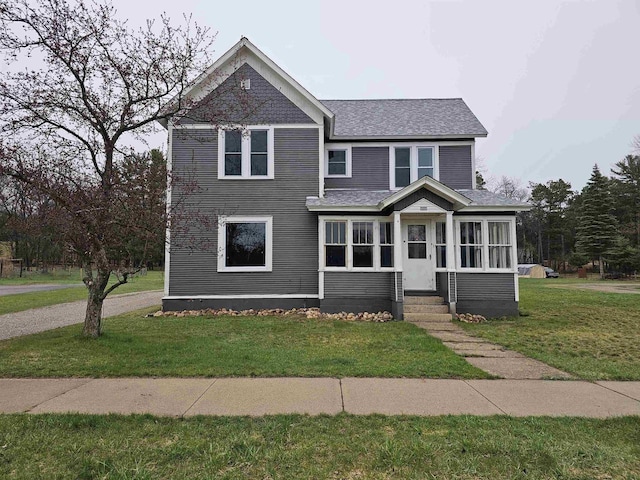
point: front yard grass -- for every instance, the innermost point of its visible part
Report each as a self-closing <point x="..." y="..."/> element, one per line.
<point x="233" y="346"/>
<point x="591" y="334"/>
<point x="19" y="302"/>
<point x="340" y="447"/>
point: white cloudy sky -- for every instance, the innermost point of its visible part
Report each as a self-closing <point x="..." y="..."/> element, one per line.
<point x="556" y="83"/>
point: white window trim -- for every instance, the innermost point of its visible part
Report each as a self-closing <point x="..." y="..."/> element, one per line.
<point x="349" y="243"/>
<point x="485" y="244"/>
<point x="246" y="153"/>
<point x="222" y="243"/>
<point x="436" y="244"/>
<point x="346" y="147"/>
<point x="413" y="147"/>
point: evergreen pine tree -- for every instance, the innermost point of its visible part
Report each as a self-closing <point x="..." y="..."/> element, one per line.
<point x="596" y="225"/>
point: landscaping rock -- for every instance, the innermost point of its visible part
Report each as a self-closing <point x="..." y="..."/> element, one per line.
<point x="305" y="312"/>
<point x="470" y="318"/>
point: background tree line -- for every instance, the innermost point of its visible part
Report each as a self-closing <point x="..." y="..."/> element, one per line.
<point x="566" y="229"/>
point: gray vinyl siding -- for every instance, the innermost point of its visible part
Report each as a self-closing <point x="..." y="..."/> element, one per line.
<point x="456" y="166"/>
<point x="419" y="195"/>
<point x="369" y="170"/>
<point x="485" y="286"/>
<point x="262" y="104"/>
<point x="295" y="229"/>
<point x="358" y="284"/>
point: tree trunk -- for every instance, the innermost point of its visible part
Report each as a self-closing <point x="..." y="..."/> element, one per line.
<point x="601" y="263"/>
<point x="96" y="286"/>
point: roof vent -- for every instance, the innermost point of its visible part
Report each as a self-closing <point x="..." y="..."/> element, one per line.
<point x="245" y="84"/>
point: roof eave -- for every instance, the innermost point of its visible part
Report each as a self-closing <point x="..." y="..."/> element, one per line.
<point x="495" y="208"/>
<point x="404" y="137"/>
<point x="457" y="199"/>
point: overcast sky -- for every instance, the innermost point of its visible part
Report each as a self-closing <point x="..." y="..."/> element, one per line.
<point x="556" y="83"/>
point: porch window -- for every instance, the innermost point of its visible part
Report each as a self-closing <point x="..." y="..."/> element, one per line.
<point x="362" y="244"/>
<point x="386" y="244"/>
<point x="335" y="244"/>
<point x="441" y="245"/>
<point x="499" y="244"/>
<point x="471" y="244"/>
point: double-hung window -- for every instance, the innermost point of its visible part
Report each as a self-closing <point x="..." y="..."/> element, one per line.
<point x="471" y="244"/>
<point x="246" y="154"/>
<point x="335" y="249"/>
<point x="337" y="161"/>
<point x="362" y="244"/>
<point x="409" y="163"/>
<point x="499" y="244"/>
<point x="245" y="244"/>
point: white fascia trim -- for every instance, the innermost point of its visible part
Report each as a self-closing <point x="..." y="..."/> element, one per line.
<point x="496" y="208"/>
<point x="167" y="240"/>
<point x="232" y="297"/>
<point x="246" y="153"/>
<point x="206" y="126"/>
<point x="339" y="208"/>
<point x="435" y="186"/>
<point x="337" y="146"/>
<point x="419" y="138"/>
<point x="235" y="51"/>
<point x="222" y="243"/>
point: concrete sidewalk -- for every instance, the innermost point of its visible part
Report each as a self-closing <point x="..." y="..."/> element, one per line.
<point x="264" y="396"/>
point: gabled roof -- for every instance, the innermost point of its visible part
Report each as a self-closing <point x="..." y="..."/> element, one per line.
<point x="404" y="118"/>
<point x="464" y="200"/>
<point x="233" y="59"/>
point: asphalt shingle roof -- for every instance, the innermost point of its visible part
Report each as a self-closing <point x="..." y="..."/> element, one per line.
<point x="371" y="198"/>
<point x="428" y="117"/>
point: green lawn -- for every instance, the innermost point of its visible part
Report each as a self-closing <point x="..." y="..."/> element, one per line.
<point x="340" y="447"/>
<point x="23" y="301"/>
<point x="234" y="346"/>
<point x="57" y="275"/>
<point x="593" y="335"/>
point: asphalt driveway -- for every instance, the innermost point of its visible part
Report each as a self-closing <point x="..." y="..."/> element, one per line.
<point x="41" y="287"/>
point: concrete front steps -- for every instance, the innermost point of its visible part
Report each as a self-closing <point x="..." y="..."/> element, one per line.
<point x="426" y="309"/>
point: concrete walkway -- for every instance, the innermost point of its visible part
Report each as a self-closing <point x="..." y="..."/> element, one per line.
<point x="362" y="396"/>
<point x="490" y="357"/>
<point x="55" y="316"/>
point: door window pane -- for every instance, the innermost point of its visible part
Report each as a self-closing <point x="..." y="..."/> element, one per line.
<point x="417" y="233"/>
<point x="245" y="244"/>
<point x="417" y="250"/>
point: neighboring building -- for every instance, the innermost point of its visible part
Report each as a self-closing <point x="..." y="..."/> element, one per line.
<point x="343" y="204"/>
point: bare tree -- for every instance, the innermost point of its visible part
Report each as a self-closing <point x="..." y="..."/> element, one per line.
<point x="635" y="144"/>
<point x="95" y="85"/>
<point x="510" y="187"/>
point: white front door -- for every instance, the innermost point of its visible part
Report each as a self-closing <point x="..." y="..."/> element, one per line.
<point x="419" y="261"/>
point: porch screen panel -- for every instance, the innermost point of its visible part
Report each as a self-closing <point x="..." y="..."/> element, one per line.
<point x="471" y="244"/>
<point x="362" y="244"/>
<point x="335" y="244"/>
<point x="499" y="245"/>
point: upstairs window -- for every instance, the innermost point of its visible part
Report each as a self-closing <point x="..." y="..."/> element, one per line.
<point x="337" y="161"/>
<point x="412" y="162"/>
<point x="246" y="154"/>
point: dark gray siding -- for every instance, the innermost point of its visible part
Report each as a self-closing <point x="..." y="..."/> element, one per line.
<point x="456" y="167"/>
<point x="485" y="286"/>
<point x="295" y="230"/>
<point x="419" y="195"/>
<point x="358" y="284"/>
<point x="442" y="284"/>
<point x="261" y="104"/>
<point x="369" y="170"/>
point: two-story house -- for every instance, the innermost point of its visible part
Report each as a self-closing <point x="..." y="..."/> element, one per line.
<point x="348" y="205"/>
